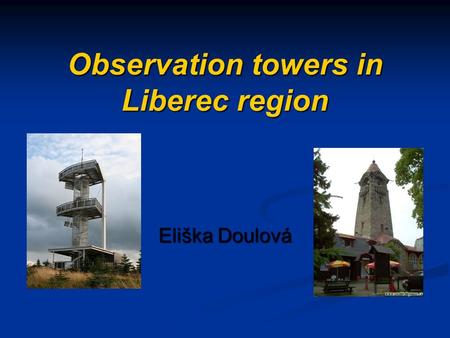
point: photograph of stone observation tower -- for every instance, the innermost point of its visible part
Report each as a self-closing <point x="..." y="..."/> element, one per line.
<point x="84" y="210"/>
<point x="368" y="221"/>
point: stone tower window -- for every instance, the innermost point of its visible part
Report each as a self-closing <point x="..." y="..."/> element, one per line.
<point x="382" y="228"/>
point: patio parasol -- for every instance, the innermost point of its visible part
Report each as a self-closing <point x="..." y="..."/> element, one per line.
<point x="338" y="264"/>
<point x="392" y="264"/>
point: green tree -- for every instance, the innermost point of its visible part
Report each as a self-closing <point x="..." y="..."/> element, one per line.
<point x="409" y="173"/>
<point x="58" y="281"/>
<point x="324" y="232"/>
<point x="46" y="263"/>
<point x="138" y="263"/>
<point x="323" y="256"/>
<point x="38" y="263"/>
<point x="125" y="264"/>
<point x="323" y="220"/>
<point x="395" y="250"/>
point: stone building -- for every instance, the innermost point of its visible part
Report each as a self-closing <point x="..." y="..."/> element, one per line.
<point x="373" y="227"/>
<point x="373" y="216"/>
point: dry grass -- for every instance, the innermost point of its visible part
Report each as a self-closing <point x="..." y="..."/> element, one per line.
<point x="47" y="278"/>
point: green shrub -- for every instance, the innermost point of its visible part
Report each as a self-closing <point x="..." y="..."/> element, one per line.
<point x="58" y="280"/>
<point x="99" y="280"/>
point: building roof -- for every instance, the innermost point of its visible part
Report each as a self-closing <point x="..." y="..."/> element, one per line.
<point x="373" y="167"/>
<point x="362" y="245"/>
<point x="373" y="170"/>
<point x="74" y="251"/>
<point x="383" y="238"/>
<point x="381" y="249"/>
<point x="89" y="168"/>
<point x="346" y="236"/>
<point x="359" y="245"/>
<point x="411" y="248"/>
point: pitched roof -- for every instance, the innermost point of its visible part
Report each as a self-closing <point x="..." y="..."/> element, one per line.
<point x="381" y="249"/>
<point x="411" y="248"/>
<point x="374" y="170"/>
<point x="359" y="246"/>
<point x="383" y="238"/>
<point x="373" y="167"/>
<point x="345" y="236"/>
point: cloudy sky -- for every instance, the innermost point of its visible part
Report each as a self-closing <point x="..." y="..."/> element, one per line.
<point x="119" y="157"/>
<point x="346" y="166"/>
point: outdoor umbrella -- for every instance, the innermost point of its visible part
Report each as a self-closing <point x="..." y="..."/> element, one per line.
<point x="338" y="264"/>
<point x="393" y="264"/>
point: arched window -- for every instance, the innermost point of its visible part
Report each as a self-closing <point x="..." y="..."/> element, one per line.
<point x="413" y="261"/>
<point x="420" y="262"/>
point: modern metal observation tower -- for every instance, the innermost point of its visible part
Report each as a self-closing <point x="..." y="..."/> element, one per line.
<point x="80" y="177"/>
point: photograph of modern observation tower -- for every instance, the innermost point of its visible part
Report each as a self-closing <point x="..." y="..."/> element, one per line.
<point x="83" y="210"/>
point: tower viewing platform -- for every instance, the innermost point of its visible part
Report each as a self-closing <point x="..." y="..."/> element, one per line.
<point x="90" y="169"/>
<point x="89" y="208"/>
<point x="79" y="177"/>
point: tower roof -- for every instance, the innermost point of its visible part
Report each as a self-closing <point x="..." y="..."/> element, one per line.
<point x="90" y="168"/>
<point x="373" y="167"/>
<point x="374" y="170"/>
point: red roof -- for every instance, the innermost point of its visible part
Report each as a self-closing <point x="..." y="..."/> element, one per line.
<point x="411" y="248"/>
<point x="384" y="238"/>
<point x="346" y="236"/>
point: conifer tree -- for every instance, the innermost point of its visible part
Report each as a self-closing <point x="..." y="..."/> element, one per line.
<point x="324" y="232"/>
<point x="323" y="220"/>
<point x="138" y="263"/>
<point x="125" y="264"/>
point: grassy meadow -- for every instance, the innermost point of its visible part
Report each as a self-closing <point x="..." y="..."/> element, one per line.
<point x="48" y="278"/>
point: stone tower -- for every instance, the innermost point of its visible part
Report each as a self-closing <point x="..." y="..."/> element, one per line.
<point x="373" y="216"/>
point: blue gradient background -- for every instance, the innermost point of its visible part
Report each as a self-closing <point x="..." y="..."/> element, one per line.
<point x="235" y="169"/>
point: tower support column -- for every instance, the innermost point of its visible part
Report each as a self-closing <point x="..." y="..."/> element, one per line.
<point x="103" y="215"/>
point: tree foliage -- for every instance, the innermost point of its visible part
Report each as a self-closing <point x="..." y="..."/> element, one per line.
<point x="397" y="254"/>
<point x="125" y="264"/>
<point x="38" y="263"/>
<point x="138" y="263"/>
<point x="323" y="256"/>
<point x="409" y="173"/>
<point x="323" y="220"/>
<point x="324" y="232"/>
